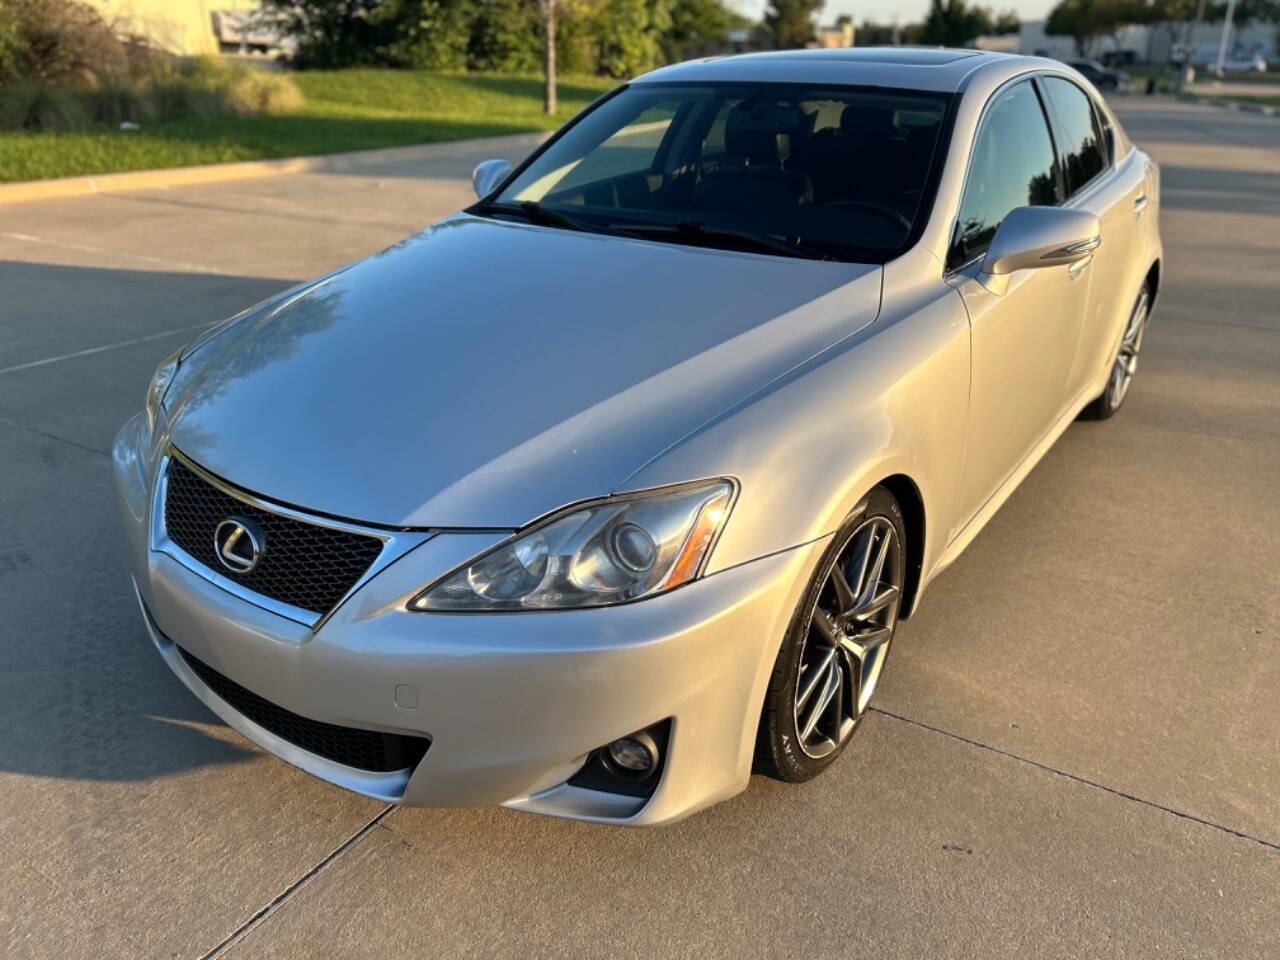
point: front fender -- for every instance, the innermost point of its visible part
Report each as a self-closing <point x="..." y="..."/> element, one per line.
<point x="892" y="399"/>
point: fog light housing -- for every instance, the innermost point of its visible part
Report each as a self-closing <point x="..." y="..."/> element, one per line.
<point x="635" y="756"/>
<point x="630" y="766"/>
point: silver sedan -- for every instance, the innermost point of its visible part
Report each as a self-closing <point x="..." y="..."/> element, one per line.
<point x="596" y="497"/>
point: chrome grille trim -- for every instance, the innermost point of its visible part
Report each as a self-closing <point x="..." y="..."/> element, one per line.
<point x="395" y="543"/>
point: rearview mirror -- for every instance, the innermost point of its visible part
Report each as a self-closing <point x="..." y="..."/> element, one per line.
<point x="487" y="175"/>
<point x="1034" y="237"/>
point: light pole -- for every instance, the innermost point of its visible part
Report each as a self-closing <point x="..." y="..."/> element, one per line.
<point x="1226" y="34"/>
<point x="1188" y="71"/>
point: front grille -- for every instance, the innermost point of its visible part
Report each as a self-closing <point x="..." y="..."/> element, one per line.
<point x="362" y="749"/>
<point x="302" y="564"/>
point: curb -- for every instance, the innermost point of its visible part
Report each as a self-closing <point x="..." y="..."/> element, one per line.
<point x="1224" y="103"/>
<point x="32" y="190"/>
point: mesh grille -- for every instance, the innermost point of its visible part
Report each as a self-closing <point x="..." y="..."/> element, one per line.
<point x="302" y="564"/>
<point x="362" y="749"/>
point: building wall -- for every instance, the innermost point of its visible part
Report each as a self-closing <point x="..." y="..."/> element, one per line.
<point x="1152" y="44"/>
<point x="180" y="26"/>
<point x="1033" y="40"/>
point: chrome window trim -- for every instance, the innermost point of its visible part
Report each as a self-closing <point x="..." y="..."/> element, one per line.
<point x="395" y="543"/>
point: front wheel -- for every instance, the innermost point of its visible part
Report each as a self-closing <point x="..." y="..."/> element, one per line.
<point x="1125" y="364"/>
<point x="836" y="646"/>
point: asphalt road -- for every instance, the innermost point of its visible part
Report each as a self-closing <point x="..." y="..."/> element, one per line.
<point x="1073" y="754"/>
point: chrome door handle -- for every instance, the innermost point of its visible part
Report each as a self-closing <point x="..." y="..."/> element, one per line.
<point x="1075" y="270"/>
<point x="1140" y="203"/>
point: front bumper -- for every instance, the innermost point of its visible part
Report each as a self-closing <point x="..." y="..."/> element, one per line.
<point x="512" y="703"/>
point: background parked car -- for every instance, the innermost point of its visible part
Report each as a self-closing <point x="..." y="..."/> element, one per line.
<point x="1100" y="76"/>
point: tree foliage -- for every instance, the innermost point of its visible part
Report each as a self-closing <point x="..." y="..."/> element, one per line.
<point x="790" y="22"/>
<point x="954" y="23"/>
<point x="60" y="41"/>
<point x="1007" y="22"/>
<point x="333" y="32"/>
<point x="614" y="37"/>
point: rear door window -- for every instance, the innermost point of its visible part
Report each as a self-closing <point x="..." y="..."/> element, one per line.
<point x="1079" y="139"/>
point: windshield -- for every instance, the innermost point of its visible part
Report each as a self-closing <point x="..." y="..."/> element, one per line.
<point x="825" y="172"/>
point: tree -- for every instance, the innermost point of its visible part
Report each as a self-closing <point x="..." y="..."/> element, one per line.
<point x="1007" y="23"/>
<point x="333" y="33"/>
<point x="506" y="35"/>
<point x="873" y="35"/>
<point x="1075" y="19"/>
<point x="549" y="56"/>
<point x="791" y="21"/>
<point x="628" y="35"/>
<point x="954" y="23"/>
<point x="1086" y="20"/>
<point x="698" y="26"/>
<point x="428" y="34"/>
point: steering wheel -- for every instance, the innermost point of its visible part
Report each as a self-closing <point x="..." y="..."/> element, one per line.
<point x="880" y="209"/>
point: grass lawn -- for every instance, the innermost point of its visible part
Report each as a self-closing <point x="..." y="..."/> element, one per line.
<point x="344" y="110"/>
<point x="1265" y="101"/>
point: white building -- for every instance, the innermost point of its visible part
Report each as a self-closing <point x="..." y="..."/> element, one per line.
<point x="1156" y="43"/>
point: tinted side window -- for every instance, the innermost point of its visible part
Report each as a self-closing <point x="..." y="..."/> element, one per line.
<point x="1081" y="143"/>
<point x="1012" y="166"/>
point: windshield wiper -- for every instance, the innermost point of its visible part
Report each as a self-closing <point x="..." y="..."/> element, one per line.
<point x="695" y="231"/>
<point x="536" y="213"/>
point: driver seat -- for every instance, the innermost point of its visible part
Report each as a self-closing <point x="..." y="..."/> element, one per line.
<point x="757" y="139"/>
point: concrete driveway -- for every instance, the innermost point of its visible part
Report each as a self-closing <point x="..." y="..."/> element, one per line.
<point x="1074" y="752"/>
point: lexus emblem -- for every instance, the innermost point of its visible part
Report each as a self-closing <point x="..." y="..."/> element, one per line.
<point x="238" y="544"/>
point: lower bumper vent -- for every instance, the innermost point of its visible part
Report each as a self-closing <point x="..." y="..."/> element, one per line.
<point x="363" y="749"/>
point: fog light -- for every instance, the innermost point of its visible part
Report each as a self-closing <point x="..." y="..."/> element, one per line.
<point x="635" y="756"/>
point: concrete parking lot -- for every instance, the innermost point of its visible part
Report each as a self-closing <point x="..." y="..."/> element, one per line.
<point x="1075" y="751"/>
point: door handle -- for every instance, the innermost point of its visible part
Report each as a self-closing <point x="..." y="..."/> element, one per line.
<point x="1139" y="204"/>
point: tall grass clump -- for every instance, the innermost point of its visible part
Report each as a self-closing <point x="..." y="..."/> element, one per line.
<point x="36" y="106"/>
<point x="240" y="88"/>
<point x="118" y="100"/>
<point x="162" y="89"/>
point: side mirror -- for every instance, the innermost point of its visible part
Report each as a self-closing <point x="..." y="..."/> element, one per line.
<point x="1033" y="237"/>
<point x="487" y="175"/>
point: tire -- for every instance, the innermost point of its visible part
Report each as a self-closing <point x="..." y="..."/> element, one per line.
<point x="834" y="650"/>
<point x="1125" y="363"/>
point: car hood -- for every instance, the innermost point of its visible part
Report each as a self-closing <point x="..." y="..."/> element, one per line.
<point x="482" y="373"/>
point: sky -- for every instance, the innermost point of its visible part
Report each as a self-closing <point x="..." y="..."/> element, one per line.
<point x="907" y="11"/>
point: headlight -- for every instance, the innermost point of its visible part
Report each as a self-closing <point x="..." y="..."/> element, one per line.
<point x="614" y="550"/>
<point x="159" y="384"/>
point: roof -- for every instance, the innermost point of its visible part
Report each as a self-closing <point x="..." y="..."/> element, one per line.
<point x="918" y="68"/>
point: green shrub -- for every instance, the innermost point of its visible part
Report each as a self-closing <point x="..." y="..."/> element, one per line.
<point x="57" y="41"/>
<point x="34" y="106"/>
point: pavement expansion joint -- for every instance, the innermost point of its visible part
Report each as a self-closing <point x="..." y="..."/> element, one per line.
<point x="1182" y="814"/>
<point x="283" y="896"/>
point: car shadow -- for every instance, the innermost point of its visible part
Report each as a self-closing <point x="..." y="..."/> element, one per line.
<point x="83" y="693"/>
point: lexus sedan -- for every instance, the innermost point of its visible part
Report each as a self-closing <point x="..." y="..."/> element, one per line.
<point x="597" y="496"/>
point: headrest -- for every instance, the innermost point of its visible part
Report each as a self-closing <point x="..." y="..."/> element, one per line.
<point x="759" y="132"/>
<point x="862" y="121"/>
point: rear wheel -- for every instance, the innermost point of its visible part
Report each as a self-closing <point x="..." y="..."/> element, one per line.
<point x="835" y="650"/>
<point x="1125" y="364"/>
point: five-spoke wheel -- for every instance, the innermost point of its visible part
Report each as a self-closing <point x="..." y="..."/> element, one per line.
<point x="835" y="651"/>
<point x="1125" y="364"/>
